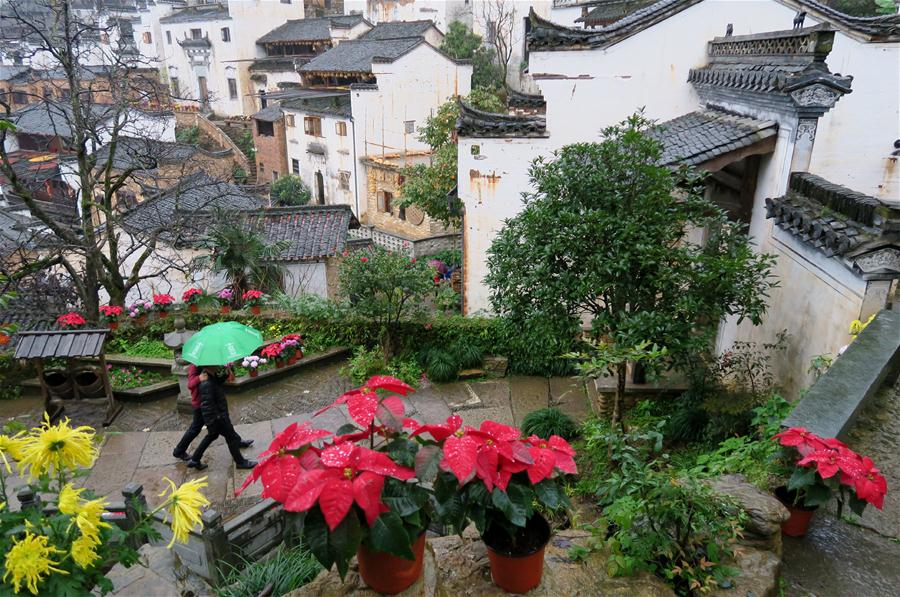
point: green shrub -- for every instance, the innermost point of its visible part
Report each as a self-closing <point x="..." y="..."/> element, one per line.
<point x="285" y="570"/>
<point x="440" y="365"/>
<point x="549" y="421"/>
<point x="139" y="347"/>
<point x="406" y="369"/>
<point x="466" y="354"/>
<point x="188" y="135"/>
<point x="290" y="190"/>
<point x="238" y="174"/>
<point x="245" y="144"/>
<point x="364" y="364"/>
<point x="12" y="373"/>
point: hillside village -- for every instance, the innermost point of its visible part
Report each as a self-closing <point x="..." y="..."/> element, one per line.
<point x="605" y="221"/>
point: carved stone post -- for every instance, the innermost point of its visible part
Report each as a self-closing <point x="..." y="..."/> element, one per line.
<point x="28" y="498"/>
<point x="215" y="543"/>
<point x="804" y="139"/>
<point x="135" y="505"/>
<point x="175" y="340"/>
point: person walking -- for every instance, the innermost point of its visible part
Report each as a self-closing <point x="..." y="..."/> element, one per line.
<point x="195" y="377"/>
<point x="214" y="410"/>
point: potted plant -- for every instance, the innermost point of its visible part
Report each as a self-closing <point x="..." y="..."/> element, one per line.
<point x="290" y="344"/>
<point x="225" y="297"/>
<point x="254" y="299"/>
<point x="162" y="303"/>
<point x="6" y="332"/>
<point x="355" y="499"/>
<point x="110" y="314"/>
<point x="493" y="477"/>
<point x="823" y="468"/>
<point x="138" y="310"/>
<point x="274" y="352"/>
<point x="252" y="364"/>
<point x="192" y="297"/>
<point x="70" y="321"/>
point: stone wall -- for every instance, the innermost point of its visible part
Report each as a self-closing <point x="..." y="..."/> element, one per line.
<point x="185" y="119"/>
<point x="414" y="225"/>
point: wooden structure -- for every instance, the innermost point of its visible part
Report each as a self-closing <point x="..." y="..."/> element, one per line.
<point x="69" y="345"/>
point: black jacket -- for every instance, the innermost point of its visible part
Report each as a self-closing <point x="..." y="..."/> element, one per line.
<point x="212" y="401"/>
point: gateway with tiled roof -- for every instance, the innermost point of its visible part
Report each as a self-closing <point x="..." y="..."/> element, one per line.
<point x="311" y="232"/>
<point x="357" y="56"/>
<point x="473" y="122"/>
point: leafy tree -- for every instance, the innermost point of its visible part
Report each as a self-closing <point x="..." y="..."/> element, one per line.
<point x="605" y="234"/>
<point x="387" y="288"/>
<point x="242" y="255"/>
<point x="290" y="190"/>
<point x="463" y="44"/>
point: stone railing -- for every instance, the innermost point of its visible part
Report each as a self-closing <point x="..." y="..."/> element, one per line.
<point x="209" y="129"/>
<point x="413" y="247"/>
<point x="871" y="361"/>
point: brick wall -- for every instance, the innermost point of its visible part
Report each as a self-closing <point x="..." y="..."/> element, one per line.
<point x="271" y="152"/>
<point x="382" y="178"/>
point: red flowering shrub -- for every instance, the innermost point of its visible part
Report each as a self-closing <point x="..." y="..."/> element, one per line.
<point x="254" y="298"/>
<point x="70" y="321"/>
<point x="163" y="302"/>
<point x="350" y="494"/>
<point x="192" y="296"/>
<point x="110" y="312"/>
<point x="826" y="467"/>
<point x="273" y="351"/>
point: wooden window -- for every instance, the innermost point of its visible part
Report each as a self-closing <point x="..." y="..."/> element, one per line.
<point x="169" y="37"/>
<point x="295" y="167"/>
<point x="312" y="125"/>
<point x="148" y="38"/>
<point x="384" y="201"/>
<point x="226" y="34"/>
<point x="48" y="93"/>
<point x="340" y="128"/>
<point x="344" y="180"/>
<point x="289" y="120"/>
<point x="409" y="126"/>
<point x="196" y="33"/>
<point x="262" y="99"/>
<point x="173" y="83"/>
<point x="265" y="129"/>
<point x="232" y="89"/>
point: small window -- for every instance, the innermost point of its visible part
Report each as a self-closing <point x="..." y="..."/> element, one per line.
<point x="289" y="120"/>
<point x="384" y="201"/>
<point x="312" y="125"/>
<point x="285" y="1"/>
<point x="340" y="129"/>
<point x="232" y="89"/>
<point x="490" y="31"/>
<point x="401" y="213"/>
<point x="344" y="180"/>
<point x="19" y="97"/>
<point x="226" y="34"/>
<point x="173" y="82"/>
<point x="148" y="39"/>
<point x="48" y="93"/>
<point x="196" y="33"/>
<point x="169" y="37"/>
<point x="104" y="38"/>
<point x="262" y="99"/>
<point x="274" y="175"/>
<point x="262" y="166"/>
<point x="295" y="167"/>
<point x="265" y="129"/>
<point x="409" y="126"/>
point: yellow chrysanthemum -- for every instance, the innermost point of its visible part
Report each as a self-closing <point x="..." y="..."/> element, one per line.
<point x="11" y="447"/>
<point x="69" y="500"/>
<point x="184" y="504"/>
<point x="84" y="551"/>
<point x="28" y="562"/>
<point x="89" y="519"/>
<point x="51" y="448"/>
<point x="857" y="326"/>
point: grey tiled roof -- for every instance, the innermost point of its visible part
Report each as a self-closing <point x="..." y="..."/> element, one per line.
<point x="312" y="232"/>
<point x="356" y="56"/>
<point x="60" y="344"/>
<point x="701" y="136"/>
<point x="612" y="10"/>
<point x="516" y="99"/>
<point x="180" y="214"/>
<point x="318" y="29"/>
<point x="144" y="154"/>
<point x="832" y="218"/>
<point x="877" y="28"/>
<point x="203" y="12"/>
<point x="398" y="29"/>
<point x="269" y="114"/>
<point x="477" y="123"/>
<point x="52" y="119"/>
<point x="278" y="64"/>
<point x="331" y="105"/>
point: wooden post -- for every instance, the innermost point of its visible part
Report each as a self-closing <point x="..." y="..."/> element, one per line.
<point x="39" y="367"/>
<point x="135" y="505"/>
<point x="113" y="408"/>
<point x="215" y="542"/>
<point x="76" y="395"/>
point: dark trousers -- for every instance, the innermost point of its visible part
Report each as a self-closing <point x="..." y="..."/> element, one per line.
<point x="224" y="428"/>
<point x="191" y="434"/>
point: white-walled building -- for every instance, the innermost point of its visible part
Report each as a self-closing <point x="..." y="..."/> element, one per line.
<point x="440" y="12"/>
<point x="208" y="48"/>
<point x="775" y="100"/>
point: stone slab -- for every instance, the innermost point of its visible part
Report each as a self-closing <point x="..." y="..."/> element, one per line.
<point x="476" y="416"/>
<point x="569" y="395"/>
<point x="429" y="406"/>
<point x="159" y="447"/>
<point x="527" y="394"/>
<point x="492" y="393"/>
<point x="111" y="472"/>
<point x="152" y="478"/>
<point x="124" y="443"/>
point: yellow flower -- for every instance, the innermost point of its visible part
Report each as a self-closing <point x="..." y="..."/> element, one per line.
<point x="51" y="448"/>
<point x="89" y="519"/>
<point x="12" y="447"/>
<point x="83" y="551"/>
<point x="28" y="562"/>
<point x="856" y="326"/>
<point x="184" y="504"/>
<point x="69" y="500"/>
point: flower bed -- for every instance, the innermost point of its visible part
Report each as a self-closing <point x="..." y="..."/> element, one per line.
<point x="126" y="378"/>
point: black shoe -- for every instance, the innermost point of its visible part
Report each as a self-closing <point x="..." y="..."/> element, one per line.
<point x="196" y="464"/>
<point x="183" y="456"/>
<point x="244" y="464"/>
<point x="246" y="443"/>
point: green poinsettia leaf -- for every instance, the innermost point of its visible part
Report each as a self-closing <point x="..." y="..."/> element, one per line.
<point x="802" y="479"/>
<point x="428" y="459"/>
<point x="389" y="535"/>
<point x="344" y="541"/>
<point x="857" y="505"/>
<point x="514" y="510"/>
<point x="817" y="495"/>
<point x="315" y="532"/>
<point x="550" y="494"/>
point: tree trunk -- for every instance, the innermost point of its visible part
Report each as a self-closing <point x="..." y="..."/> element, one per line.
<point x="639" y="373"/>
<point x="621" y="378"/>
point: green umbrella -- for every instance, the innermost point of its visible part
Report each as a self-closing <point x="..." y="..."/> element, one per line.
<point x="221" y="343"/>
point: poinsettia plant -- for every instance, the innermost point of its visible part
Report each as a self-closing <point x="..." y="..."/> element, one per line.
<point x="273" y="352"/>
<point x="254" y="298"/>
<point x="825" y="467"/>
<point x="163" y="302"/>
<point x="193" y="296"/>
<point x="110" y="312"/>
<point x="70" y="321"/>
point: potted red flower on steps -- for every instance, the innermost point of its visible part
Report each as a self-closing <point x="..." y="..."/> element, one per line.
<point x="255" y="300"/>
<point x="162" y="303"/>
<point x="192" y="297"/>
<point x="110" y="315"/>
<point x="824" y="468"/>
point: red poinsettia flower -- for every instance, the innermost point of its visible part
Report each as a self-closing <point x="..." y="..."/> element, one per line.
<point x="438" y="432"/>
<point x="71" y="320"/>
<point x="278" y="469"/>
<point x="805" y="441"/>
<point x="869" y="484"/>
<point x="162" y="300"/>
<point x="493" y="452"/>
<point x="345" y="473"/>
<point x="362" y="403"/>
<point x="555" y="453"/>
<point x="828" y="462"/>
<point x="272" y="351"/>
<point x="191" y="295"/>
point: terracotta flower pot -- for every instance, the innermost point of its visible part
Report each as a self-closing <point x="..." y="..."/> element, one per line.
<point x="141" y="318"/>
<point x="293" y="359"/>
<point x="193" y="308"/>
<point x="279" y="364"/>
<point x="253" y="372"/>
<point x="4" y="339"/>
<point x="113" y="325"/>
<point x="386" y="573"/>
<point x="224" y="309"/>
<point x="518" y="571"/>
<point x="162" y="314"/>
<point x="798" y="523"/>
<point x="256" y="310"/>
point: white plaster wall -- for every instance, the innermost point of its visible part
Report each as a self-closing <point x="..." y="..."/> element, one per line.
<point x="305" y="278"/>
<point x="442" y="12"/>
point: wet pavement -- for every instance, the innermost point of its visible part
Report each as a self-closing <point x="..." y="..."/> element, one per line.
<point x="138" y="446"/>
<point x="859" y="557"/>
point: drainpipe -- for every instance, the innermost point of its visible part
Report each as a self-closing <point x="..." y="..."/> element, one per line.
<point x="355" y="166"/>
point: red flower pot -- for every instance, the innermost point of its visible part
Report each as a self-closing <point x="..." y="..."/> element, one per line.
<point x="798" y="523"/>
<point x="293" y="359"/>
<point x="255" y="310"/>
<point x="141" y="318"/>
<point x="4" y="339"/>
<point x="279" y="364"/>
<point x="193" y="308"/>
<point x="518" y="570"/>
<point x="253" y="372"/>
<point x="224" y="309"/>
<point x="386" y="573"/>
<point x="113" y="325"/>
<point x="162" y="314"/>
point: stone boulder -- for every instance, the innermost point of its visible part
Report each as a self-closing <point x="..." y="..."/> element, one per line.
<point x="457" y="566"/>
<point x="762" y="527"/>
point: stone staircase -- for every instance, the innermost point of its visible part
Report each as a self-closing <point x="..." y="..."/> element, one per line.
<point x="236" y="129"/>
